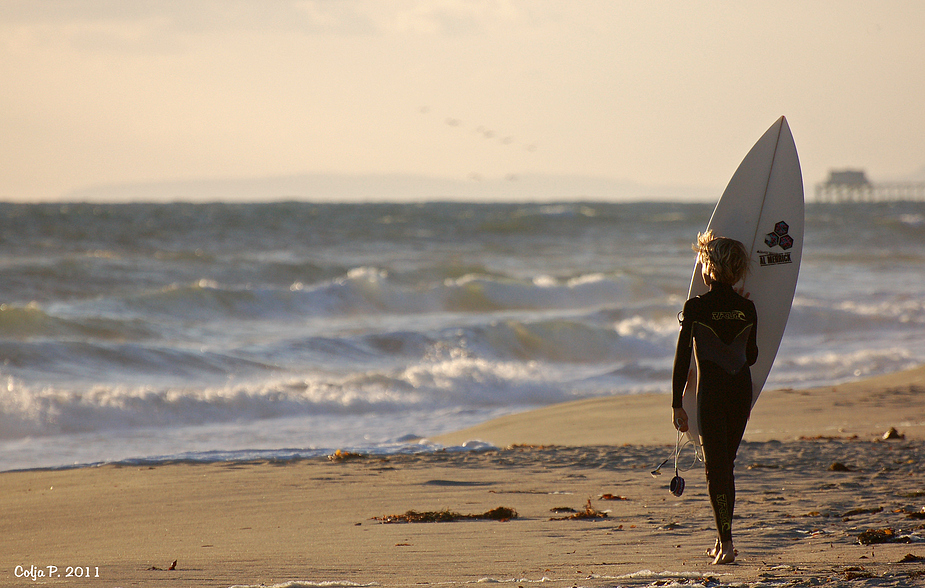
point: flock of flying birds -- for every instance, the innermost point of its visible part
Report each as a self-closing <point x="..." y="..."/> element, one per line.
<point x="486" y="133"/>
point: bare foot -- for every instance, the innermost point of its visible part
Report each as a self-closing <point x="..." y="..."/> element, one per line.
<point x="712" y="551"/>
<point x="726" y="554"/>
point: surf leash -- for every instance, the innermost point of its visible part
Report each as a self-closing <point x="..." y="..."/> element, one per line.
<point x="676" y="486"/>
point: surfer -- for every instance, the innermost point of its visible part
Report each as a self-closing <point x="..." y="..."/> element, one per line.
<point x="719" y="328"/>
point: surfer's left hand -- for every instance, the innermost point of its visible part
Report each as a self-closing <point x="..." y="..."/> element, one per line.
<point x="741" y="292"/>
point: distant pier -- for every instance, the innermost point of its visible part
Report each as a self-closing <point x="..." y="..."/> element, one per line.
<point x="853" y="186"/>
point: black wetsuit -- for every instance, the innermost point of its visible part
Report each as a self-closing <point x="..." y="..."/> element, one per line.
<point x="720" y="328"/>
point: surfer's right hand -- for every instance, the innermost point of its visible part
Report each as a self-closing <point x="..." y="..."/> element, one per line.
<point x="679" y="419"/>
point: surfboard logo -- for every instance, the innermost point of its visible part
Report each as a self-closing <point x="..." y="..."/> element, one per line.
<point x="779" y="237"/>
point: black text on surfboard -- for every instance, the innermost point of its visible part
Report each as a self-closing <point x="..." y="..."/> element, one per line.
<point x="766" y="258"/>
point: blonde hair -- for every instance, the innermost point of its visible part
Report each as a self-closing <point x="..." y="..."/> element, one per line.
<point x="725" y="260"/>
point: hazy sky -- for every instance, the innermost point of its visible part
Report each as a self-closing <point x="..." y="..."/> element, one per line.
<point x="663" y="93"/>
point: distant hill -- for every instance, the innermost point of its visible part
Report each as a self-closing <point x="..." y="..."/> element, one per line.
<point x="389" y="187"/>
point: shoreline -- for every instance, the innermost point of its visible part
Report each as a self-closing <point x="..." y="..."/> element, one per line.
<point x="864" y="407"/>
<point x="310" y="522"/>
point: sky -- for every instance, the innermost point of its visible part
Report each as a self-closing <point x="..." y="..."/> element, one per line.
<point x="655" y="93"/>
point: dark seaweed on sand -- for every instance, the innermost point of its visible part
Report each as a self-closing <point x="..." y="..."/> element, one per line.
<point x="501" y="513"/>
<point x="341" y="455"/>
<point x="887" y="535"/>
<point x="589" y="512"/>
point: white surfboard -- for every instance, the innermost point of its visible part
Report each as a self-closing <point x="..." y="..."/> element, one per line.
<point x="762" y="207"/>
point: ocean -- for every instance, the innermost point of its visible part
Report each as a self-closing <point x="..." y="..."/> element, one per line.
<point x="146" y="333"/>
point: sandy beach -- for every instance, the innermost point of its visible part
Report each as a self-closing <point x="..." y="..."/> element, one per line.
<point x="823" y="500"/>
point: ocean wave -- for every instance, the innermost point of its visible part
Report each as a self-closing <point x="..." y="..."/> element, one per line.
<point x="82" y="362"/>
<point x="571" y="340"/>
<point x="39" y="347"/>
<point x="32" y="321"/>
<point x="855" y="318"/>
<point x="822" y="364"/>
<point x="362" y="290"/>
<point x="78" y="387"/>
<point x="563" y="341"/>
<point x="26" y="410"/>
<point x="374" y="290"/>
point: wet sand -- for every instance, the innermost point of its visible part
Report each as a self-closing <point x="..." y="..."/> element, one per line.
<point x="814" y="476"/>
